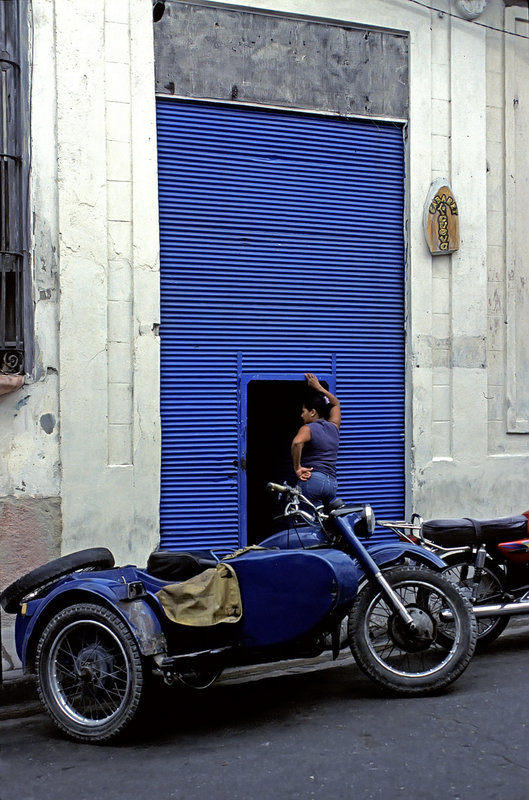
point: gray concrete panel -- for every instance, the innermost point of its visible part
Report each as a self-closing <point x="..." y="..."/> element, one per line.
<point x="265" y="59"/>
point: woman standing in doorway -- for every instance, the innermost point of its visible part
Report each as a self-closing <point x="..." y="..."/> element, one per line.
<point x="315" y="446"/>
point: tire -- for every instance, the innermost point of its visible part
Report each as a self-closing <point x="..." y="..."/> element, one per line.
<point x="94" y="558"/>
<point x="406" y="662"/>
<point x="90" y="673"/>
<point x="460" y="570"/>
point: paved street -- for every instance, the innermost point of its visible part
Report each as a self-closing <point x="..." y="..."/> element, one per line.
<point x="316" y="734"/>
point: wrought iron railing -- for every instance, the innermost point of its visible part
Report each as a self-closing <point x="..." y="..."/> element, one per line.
<point x="13" y="223"/>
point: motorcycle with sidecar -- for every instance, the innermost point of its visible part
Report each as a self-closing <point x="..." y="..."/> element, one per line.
<point x="95" y="633"/>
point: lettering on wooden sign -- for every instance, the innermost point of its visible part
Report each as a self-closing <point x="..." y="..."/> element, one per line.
<point x="441" y="219"/>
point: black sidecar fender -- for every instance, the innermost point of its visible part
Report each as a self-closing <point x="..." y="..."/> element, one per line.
<point x="139" y="614"/>
<point x="390" y="553"/>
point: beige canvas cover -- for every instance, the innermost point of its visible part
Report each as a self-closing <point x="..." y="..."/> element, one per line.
<point x="206" y="599"/>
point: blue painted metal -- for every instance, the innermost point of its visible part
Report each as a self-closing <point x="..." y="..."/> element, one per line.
<point x="282" y="250"/>
<point x="296" y="537"/>
<point x="287" y="593"/>
<point x="387" y="553"/>
<point x="101" y="587"/>
<point x="384" y="553"/>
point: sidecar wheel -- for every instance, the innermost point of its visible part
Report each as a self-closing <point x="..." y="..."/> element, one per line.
<point x="92" y="558"/>
<point x="412" y="662"/>
<point x="460" y="570"/>
<point x="90" y="674"/>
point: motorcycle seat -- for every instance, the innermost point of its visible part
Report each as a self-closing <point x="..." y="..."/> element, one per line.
<point x="469" y="532"/>
<point x="177" y="566"/>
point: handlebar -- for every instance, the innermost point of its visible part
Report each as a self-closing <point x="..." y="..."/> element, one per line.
<point x="319" y="515"/>
<point x="277" y="487"/>
<point x="295" y="497"/>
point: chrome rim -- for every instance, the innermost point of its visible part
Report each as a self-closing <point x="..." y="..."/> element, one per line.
<point x="395" y="648"/>
<point x="88" y="673"/>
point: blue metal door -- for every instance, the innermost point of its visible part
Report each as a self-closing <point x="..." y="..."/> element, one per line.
<point x="282" y="252"/>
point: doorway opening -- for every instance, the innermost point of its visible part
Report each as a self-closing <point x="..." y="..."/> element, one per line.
<point x="273" y="419"/>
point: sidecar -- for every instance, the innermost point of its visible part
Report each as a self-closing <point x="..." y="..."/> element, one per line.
<point x="94" y="632"/>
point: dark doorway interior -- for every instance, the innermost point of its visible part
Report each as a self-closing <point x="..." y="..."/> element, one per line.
<point x="273" y="418"/>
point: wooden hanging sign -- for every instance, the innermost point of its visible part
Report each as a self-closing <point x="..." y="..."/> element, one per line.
<point x="441" y="219"/>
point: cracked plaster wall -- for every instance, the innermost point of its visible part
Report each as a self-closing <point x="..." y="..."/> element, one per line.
<point x="30" y="472"/>
<point x="108" y="255"/>
<point x="85" y="428"/>
<point x="475" y="461"/>
<point x="80" y="440"/>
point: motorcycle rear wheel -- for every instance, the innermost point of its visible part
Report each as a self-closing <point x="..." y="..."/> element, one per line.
<point x="460" y="570"/>
<point x="90" y="673"/>
<point x="412" y="662"/>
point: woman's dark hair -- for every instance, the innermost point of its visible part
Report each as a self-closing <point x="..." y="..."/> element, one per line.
<point x="317" y="401"/>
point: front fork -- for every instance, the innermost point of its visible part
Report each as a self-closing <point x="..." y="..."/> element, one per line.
<point x="394" y="600"/>
<point x="374" y="574"/>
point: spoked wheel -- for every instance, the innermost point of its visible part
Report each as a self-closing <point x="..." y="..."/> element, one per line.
<point x="460" y="570"/>
<point x="89" y="673"/>
<point x="413" y="661"/>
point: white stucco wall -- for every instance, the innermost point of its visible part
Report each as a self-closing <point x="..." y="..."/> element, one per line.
<point x="484" y="469"/>
<point x="462" y="459"/>
<point x="80" y="441"/>
<point x="95" y="269"/>
<point x="87" y="415"/>
<point x="30" y="454"/>
<point x="30" y="465"/>
<point x="103" y="200"/>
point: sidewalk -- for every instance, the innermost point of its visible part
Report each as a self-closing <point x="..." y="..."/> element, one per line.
<point x="18" y="695"/>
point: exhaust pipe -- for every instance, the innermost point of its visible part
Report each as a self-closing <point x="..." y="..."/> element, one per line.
<point x="501" y="610"/>
<point x="496" y="610"/>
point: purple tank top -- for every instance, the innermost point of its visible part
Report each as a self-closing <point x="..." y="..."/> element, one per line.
<point x="320" y="453"/>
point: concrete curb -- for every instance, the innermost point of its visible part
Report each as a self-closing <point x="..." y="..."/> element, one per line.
<point x="18" y="695"/>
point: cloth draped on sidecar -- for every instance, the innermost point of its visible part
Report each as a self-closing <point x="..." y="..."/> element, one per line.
<point x="211" y="597"/>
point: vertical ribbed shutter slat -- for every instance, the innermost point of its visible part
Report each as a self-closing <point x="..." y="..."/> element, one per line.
<point x="282" y="241"/>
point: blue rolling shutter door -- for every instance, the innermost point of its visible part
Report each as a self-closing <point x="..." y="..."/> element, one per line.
<point x="281" y="251"/>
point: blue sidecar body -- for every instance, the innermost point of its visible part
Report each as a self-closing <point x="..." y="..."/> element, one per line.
<point x="286" y="595"/>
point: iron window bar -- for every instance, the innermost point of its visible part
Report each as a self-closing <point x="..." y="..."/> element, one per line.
<point x="12" y="214"/>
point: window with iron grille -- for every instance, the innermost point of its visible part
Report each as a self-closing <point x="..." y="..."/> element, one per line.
<point x="13" y="179"/>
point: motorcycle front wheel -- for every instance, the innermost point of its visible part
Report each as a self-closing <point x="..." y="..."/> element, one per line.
<point x="413" y="661"/>
<point x="90" y="674"/>
<point x="460" y="570"/>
